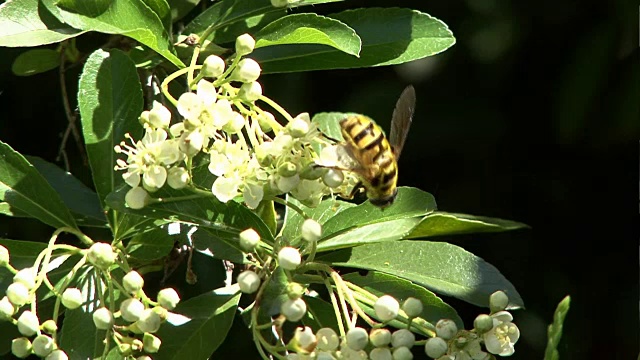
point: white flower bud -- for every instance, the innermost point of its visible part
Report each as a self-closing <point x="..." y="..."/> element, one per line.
<point x="6" y="309"/>
<point x="72" y="298"/>
<point x="178" y="178"/>
<point x="144" y="357"/>
<point x="49" y="326"/>
<point x="328" y="340"/>
<point x="305" y="337"/>
<point x="191" y="142"/>
<point x="250" y="91"/>
<point x="168" y="298"/>
<point x="446" y="329"/>
<point x="380" y="353"/>
<point x="151" y="343"/>
<point x="249" y="239"/>
<point x="18" y="294"/>
<point x="101" y="255"/>
<point x="357" y="338"/>
<point x="412" y="307"/>
<point x="402" y="353"/>
<point x="21" y="347"/>
<point x="483" y="323"/>
<point x="311" y="230"/>
<point x="249" y="282"/>
<point x="137" y="198"/>
<point x="149" y="322"/>
<point x="26" y="276"/>
<point x="333" y="178"/>
<point x="265" y="121"/>
<point x="132" y="282"/>
<point x="213" y="66"/>
<point x="403" y="337"/>
<point x="279" y="3"/>
<point x="103" y="318"/>
<point x="43" y="345"/>
<point x="286" y="184"/>
<point x="498" y="301"/>
<point x="289" y="258"/>
<point x="386" y="308"/>
<point x="159" y="116"/>
<point x="28" y="323"/>
<point x="293" y="310"/>
<point x="4" y="256"/>
<point x="57" y="355"/>
<point x="235" y="123"/>
<point x="380" y="337"/>
<point x="245" y="44"/>
<point x="287" y="169"/>
<point x="299" y="126"/>
<point x="248" y="70"/>
<point x="435" y="347"/>
<point x="131" y="309"/>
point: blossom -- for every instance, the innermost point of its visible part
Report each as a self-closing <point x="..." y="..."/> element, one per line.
<point x="501" y="339"/>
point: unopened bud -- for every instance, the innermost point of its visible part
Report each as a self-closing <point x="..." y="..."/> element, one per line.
<point x="151" y="343"/>
<point x="245" y="44"/>
<point x="249" y="282"/>
<point x="386" y="308"/>
<point x="380" y="337"/>
<point x="137" y="198"/>
<point x="132" y="282"/>
<point x="4" y="256"/>
<point x="289" y="258"/>
<point x="43" y="345"/>
<point x="435" y="347"/>
<point x="446" y="329"/>
<point x="412" y="307"/>
<point x="28" y="323"/>
<point x="101" y="255"/>
<point x="50" y="326"/>
<point x="26" y="276"/>
<point x="287" y="169"/>
<point x="213" y="66"/>
<point x="328" y="340"/>
<point x="311" y="230"/>
<point x="380" y="353"/>
<point x="131" y="309"/>
<point x="72" y="298"/>
<point x="498" y="301"/>
<point x="103" y="318"/>
<point x="250" y="91"/>
<point x="249" y="239"/>
<point x="18" y="294"/>
<point x="248" y="70"/>
<point x="57" y="355"/>
<point x="21" y="347"/>
<point x="149" y="322"/>
<point x="168" y="298"/>
<point x="333" y="178"/>
<point x="293" y="310"/>
<point x="357" y="338"/>
<point x="483" y="323"/>
<point x="178" y="178"/>
<point x="6" y="309"/>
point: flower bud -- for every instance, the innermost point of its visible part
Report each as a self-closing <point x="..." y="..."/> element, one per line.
<point x="6" y="309"/>
<point x="151" y="343"/>
<point x="289" y="258"/>
<point x="162" y="312"/>
<point x="287" y="169"/>
<point x="213" y="66"/>
<point x="72" y="298"/>
<point x="27" y="277"/>
<point x="311" y="230"/>
<point x="144" y="357"/>
<point x="380" y="353"/>
<point x="132" y="282"/>
<point x="103" y="318"/>
<point x="144" y="117"/>
<point x="483" y="323"/>
<point x="305" y="338"/>
<point x="403" y="337"/>
<point x="248" y="70"/>
<point x="446" y="329"/>
<point x="168" y="298"/>
<point x="137" y="198"/>
<point x="333" y="178"/>
<point x="43" y="345"/>
<point x="249" y="239"/>
<point x="279" y="3"/>
<point x="286" y="184"/>
<point x="380" y="337"/>
<point x="435" y="347"/>
<point x="28" y="323"/>
<point x="265" y="121"/>
<point x="386" y="308"/>
<point x="4" y="256"/>
<point x="312" y="171"/>
<point x="357" y="338"/>
<point x="402" y="353"/>
<point x="293" y="310"/>
<point x="57" y="355"/>
<point x="159" y="116"/>
<point x="191" y="142"/>
<point x="412" y="307"/>
<point x="149" y="322"/>
<point x="101" y="255"/>
<point x="300" y="125"/>
<point x="125" y="349"/>
<point x="178" y="178"/>
<point x="131" y="309"/>
<point x="498" y="301"/>
<point x="328" y="340"/>
<point x="18" y="294"/>
<point x="21" y="347"/>
<point x="245" y="44"/>
<point x="249" y="282"/>
<point x="250" y="91"/>
<point x="49" y="326"/>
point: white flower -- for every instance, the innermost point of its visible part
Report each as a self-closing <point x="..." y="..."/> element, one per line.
<point x="501" y="339"/>
<point x="225" y="189"/>
<point x="253" y="194"/>
<point x="386" y="308"/>
<point x="190" y="106"/>
<point x="137" y="198"/>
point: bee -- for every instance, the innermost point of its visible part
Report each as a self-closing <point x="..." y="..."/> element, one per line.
<point x="375" y="159"/>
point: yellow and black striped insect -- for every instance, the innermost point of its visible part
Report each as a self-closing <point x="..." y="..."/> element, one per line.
<point x="375" y="157"/>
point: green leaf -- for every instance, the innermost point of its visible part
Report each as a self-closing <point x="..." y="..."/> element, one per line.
<point x="366" y="223"/>
<point x="210" y="317"/>
<point x="309" y="29"/>
<point x="162" y="9"/>
<point x="444" y="268"/>
<point x="379" y="284"/>
<point x="211" y="244"/>
<point x="35" y="61"/>
<point x="132" y="18"/>
<point x="390" y="36"/>
<point x="28" y="23"/>
<point x="7" y="209"/>
<point x="329" y="123"/>
<point x="180" y="8"/>
<point x="322" y="213"/>
<point x="110" y="102"/>
<point x="22" y="187"/>
<point x="319" y="314"/>
<point x="82" y="201"/>
<point x="443" y="223"/>
<point x="554" y="331"/>
<point x="151" y="245"/>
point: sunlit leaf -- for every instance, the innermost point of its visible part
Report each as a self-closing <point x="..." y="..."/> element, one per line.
<point x="443" y="223"/>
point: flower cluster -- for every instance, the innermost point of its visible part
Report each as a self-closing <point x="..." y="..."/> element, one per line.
<point x="251" y="154"/>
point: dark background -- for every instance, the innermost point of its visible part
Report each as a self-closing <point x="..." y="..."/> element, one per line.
<point x="532" y="116"/>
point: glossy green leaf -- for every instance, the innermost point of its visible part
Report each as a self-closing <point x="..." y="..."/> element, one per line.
<point x="180" y="8"/>
<point x="219" y="247"/>
<point x="366" y="223"/>
<point x="132" y="18"/>
<point x="151" y="245"/>
<point x="110" y="102"/>
<point x="390" y="36"/>
<point x="22" y="187"/>
<point x="319" y="314"/>
<point x="162" y="9"/>
<point x="444" y="268"/>
<point x="329" y="123"/>
<point x="210" y="316"/>
<point x="322" y="213"/>
<point x="7" y="209"/>
<point x="74" y="337"/>
<point x="309" y="29"/>
<point x="379" y="284"/>
<point x="82" y="201"/>
<point x="35" y="61"/>
<point x="443" y="223"/>
<point x="28" y="23"/>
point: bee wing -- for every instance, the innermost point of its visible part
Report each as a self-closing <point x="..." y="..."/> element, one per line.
<point x="401" y="120"/>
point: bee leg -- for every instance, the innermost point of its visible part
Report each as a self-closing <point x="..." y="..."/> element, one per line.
<point x="358" y="188"/>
